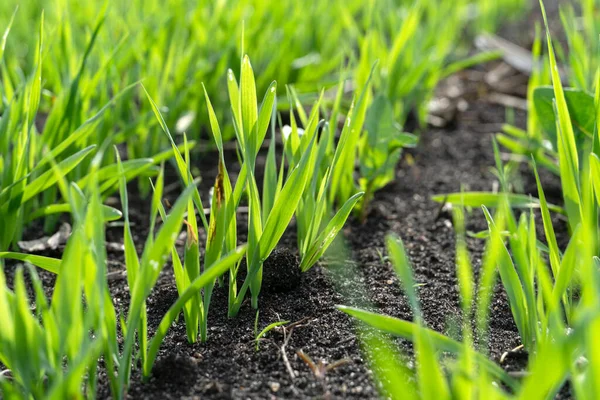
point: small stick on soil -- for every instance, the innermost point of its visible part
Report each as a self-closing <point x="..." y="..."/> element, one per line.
<point x="113" y="246"/>
<point x="348" y="339"/>
<point x="116" y="275"/>
<point x="321" y="369"/>
<point x="508" y="101"/>
<point x="286" y="362"/>
<point x="512" y="54"/>
<point x="286" y="339"/>
<point x="298" y="323"/>
<point x="518" y="374"/>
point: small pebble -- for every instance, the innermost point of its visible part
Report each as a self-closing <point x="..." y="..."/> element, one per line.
<point x="275" y="386"/>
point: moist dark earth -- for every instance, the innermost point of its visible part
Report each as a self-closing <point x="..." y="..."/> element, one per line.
<point x="229" y="366"/>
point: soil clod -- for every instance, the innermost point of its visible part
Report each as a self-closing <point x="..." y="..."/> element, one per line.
<point x="281" y="272"/>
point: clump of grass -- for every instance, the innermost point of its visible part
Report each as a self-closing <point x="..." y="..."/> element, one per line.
<point x="578" y="66"/>
<point x="552" y="292"/>
<point x="556" y="328"/>
<point x="50" y="350"/>
<point x="284" y="190"/>
<point x="404" y="52"/>
<point x="317" y="226"/>
<point x="28" y="186"/>
<point x="174" y="52"/>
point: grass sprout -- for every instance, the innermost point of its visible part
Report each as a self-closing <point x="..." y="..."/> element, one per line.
<point x="267" y="329"/>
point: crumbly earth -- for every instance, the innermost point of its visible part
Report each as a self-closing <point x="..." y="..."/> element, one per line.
<point x="229" y="366"/>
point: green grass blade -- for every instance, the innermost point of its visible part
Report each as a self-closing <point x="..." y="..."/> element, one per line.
<point x="512" y="284"/>
<point x="248" y="101"/>
<point x="47" y="179"/>
<point x="432" y="382"/>
<point x="184" y="170"/>
<point x="5" y="35"/>
<point x="567" y="147"/>
<point x="108" y="213"/>
<point x="267" y="329"/>
<point x="329" y="233"/>
<point x="548" y="227"/>
<point x="407" y="330"/>
<point x="492" y="200"/>
<point x="47" y="263"/>
<point x="267" y="108"/>
<point x="403" y="269"/>
<point x="208" y="276"/>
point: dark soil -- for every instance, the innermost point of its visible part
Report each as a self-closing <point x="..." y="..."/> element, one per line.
<point x="229" y="366"/>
